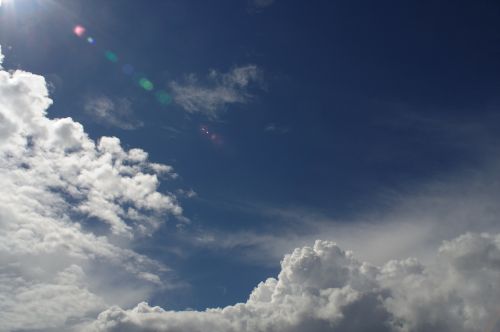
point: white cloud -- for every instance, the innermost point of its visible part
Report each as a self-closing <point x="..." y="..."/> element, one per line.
<point x="220" y="90"/>
<point x="1" y="55"/>
<point x="280" y="129"/>
<point x="70" y="209"/>
<point x="324" y="288"/>
<point x="116" y="113"/>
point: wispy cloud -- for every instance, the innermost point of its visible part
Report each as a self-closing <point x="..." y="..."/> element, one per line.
<point x="275" y="128"/>
<point x="1" y="54"/>
<point x="116" y="112"/>
<point x="212" y="95"/>
<point x="412" y="222"/>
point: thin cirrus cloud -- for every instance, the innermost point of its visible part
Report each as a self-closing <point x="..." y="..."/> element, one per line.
<point x="412" y="222"/>
<point x="58" y="273"/>
<point x="213" y="95"/>
<point x="115" y="112"/>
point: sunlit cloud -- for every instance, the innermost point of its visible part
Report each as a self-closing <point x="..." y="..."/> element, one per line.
<point x="218" y="91"/>
<point x="70" y="210"/>
<point x="114" y="112"/>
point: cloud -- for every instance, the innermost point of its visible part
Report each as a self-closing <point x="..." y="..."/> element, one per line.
<point x="324" y="288"/>
<point x="220" y="90"/>
<point x="116" y="113"/>
<point x="272" y="127"/>
<point x="1" y="55"/>
<point x="411" y="221"/>
<point x="70" y="210"/>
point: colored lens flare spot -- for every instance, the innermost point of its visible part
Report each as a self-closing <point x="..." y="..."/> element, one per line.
<point x="215" y="138"/>
<point x="128" y="69"/>
<point x="90" y="40"/>
<point x="79" y="30"/>
<point x="146" y="84"/>
<point x="111" y="56"/>
<point x="163" y="98"/>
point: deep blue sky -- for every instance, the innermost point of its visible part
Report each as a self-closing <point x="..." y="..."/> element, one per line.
<point x="367" y="96"/>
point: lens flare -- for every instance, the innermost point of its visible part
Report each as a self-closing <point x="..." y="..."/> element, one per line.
<point x="163" y="98"/>
<point x="139" y="78"/>
<point x="146" y="84"/>
<point x="128" y="69"/>
<point x="79" y="30"/>
<point x="214" y="138"/>
<point x="111" y="56"/>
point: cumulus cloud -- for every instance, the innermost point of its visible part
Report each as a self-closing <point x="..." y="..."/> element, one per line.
<point x="115" y="113"/>
<point x="324" y="288"/>
<point x="70" y="209"/>
<point x="220" y="90"/>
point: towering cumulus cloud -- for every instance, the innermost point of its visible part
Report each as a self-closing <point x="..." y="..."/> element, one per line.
<point x="70" y="209"/>
<point x="324" y="288"/>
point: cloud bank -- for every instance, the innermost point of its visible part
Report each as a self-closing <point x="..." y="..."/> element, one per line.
<point x="70" y="208"/>
<point x="323" y="288"/>
<point x="220" y="90"/>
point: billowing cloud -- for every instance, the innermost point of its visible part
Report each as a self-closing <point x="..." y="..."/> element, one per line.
<point x="70" y="208"/>
<point x="112" y="112"/>
<point x="219" y="90"/>
<point x="323" y="288"/>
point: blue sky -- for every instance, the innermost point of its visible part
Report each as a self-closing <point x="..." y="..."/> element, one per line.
<point x="286" y="121"/>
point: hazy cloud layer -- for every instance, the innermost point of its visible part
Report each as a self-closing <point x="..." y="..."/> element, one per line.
<point x="217" y="91"/>
<point x="69" y="208"/>
<point x="112" y="112"/>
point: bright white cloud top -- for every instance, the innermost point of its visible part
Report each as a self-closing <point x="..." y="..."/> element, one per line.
<point x="58" y="271"/>
<point x="53" y="179"/>
<point x="324" y="288"/>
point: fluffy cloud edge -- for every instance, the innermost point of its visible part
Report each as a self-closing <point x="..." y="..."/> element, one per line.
<point x="324" y="288"/>
<point x="71" y="208"/>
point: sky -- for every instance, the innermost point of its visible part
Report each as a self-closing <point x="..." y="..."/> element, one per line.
<point x="249" y="165"/>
